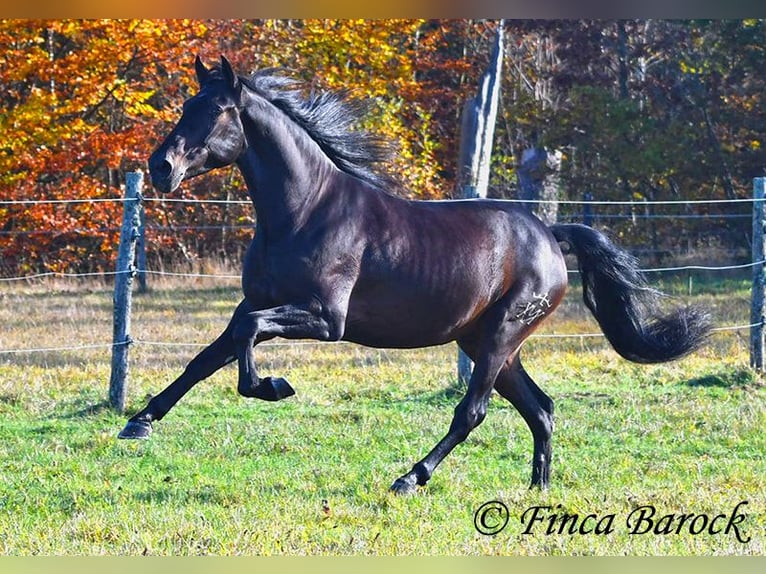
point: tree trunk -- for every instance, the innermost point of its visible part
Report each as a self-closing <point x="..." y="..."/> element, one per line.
<point x="478" y="128"/>
<point x="539" y="182"/>
<point x="477" y="134"/>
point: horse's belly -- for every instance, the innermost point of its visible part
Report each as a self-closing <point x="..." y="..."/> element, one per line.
<point x="414" y="320"/>
<point x="388" y="334"/>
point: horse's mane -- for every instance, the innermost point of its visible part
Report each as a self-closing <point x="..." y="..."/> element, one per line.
<point x="332" y="120"/>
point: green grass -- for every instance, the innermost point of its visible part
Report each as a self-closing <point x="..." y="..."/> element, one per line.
<point x="227" y="475"/>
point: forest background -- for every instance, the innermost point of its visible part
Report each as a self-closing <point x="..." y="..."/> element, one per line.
<point x="629" y="110"/>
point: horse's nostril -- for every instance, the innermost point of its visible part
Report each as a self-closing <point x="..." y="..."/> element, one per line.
<point x="161" y="168"/>
<point x="166" y="168"/>
<point x="161" y="172"/>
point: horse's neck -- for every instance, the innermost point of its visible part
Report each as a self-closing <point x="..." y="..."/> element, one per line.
<point x="283" y="168"/>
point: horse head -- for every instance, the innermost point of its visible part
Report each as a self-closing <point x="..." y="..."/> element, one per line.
<point x="209" y="133"/>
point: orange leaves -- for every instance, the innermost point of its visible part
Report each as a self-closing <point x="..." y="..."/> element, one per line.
<point x="77" y="109"/>
<point x="84" y="101"/>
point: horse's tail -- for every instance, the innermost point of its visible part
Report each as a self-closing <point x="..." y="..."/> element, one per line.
<point x="624" y="305"/>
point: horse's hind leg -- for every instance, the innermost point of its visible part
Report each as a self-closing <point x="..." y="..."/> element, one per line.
<point x="219" y="353"/>
<point x="514" y="384"/>
<point x="499" y="336"/>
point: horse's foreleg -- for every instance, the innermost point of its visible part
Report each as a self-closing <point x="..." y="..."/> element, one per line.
<point x="290" y="322"/>
<point x="515" y="385"/>
<point x="219" y="353"/>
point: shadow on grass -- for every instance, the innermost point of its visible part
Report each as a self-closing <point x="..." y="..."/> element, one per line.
<point x="740" y="379"/>
<point x="449" y="396"/>
<point x="80" y="410"/>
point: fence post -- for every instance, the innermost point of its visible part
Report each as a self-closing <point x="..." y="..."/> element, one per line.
<point x="476" y="135"/>
<point x="141" y="249"/>
<point x="757" y="313"/>
<point x="123" y="285"/>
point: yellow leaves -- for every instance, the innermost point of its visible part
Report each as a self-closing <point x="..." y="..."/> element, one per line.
<point x="376" y="60"/>
<point x="354" y="51"/>
<point x="146" y="28"/>
<point x="135" y="102"/>
<point x="688" y="69"/>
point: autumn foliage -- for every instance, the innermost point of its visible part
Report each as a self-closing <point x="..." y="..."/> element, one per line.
<point x="86" y="101"/>
<point x="81" y="105"/>
<point x="640" y="110"/>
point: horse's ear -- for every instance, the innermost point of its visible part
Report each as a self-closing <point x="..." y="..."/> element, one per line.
<point x="202" y="72"/>
<point x="232" y="80"/>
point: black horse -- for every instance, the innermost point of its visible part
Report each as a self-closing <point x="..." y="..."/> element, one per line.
<point x="338" y="257"/>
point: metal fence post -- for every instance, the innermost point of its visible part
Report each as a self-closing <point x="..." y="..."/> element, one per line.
<point x="757" y="313"/>
<point x="123" y="285"/>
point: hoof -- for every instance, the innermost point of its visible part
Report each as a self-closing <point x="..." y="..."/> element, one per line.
<point x="136" y="430"/>
<point x="404" y="487"/>
<point x="270" y="389"/>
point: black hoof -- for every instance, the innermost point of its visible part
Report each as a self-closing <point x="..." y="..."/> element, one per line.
<point x="136" y="430"/>
<point x="270" y="389"/>
<point x="404" y="487"/>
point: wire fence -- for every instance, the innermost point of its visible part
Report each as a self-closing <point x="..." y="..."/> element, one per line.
<point x="65" y="274"/>
<point x="172" y="228"/>
<point x="226" y="276"/>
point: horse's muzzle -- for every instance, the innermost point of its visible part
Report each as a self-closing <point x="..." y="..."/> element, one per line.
<point x="163" y="175"/>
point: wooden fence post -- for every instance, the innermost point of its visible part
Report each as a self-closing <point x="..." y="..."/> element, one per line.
<point x="141" y="250"/>
<point x="757" y="312"/>
<point x="476" y="134"/>
<point x="123" y="285"/>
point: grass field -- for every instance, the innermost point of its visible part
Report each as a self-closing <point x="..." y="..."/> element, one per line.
<point x="309" y="475"/>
